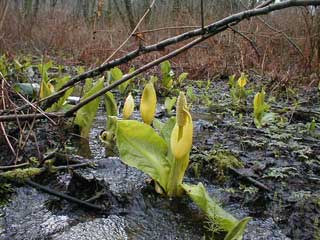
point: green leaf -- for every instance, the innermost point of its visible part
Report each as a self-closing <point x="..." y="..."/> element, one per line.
<point x="201" y="197"/>
<point x="116" y="74"/>
<point x="166" y="74"/>
<point x="111" y="107"/>
<point x="44" y="89"/>
<point x="88" y="85"/>
<point x="61" y="81"/>
<point x="182" y="77"/>
<point x="157" y="124"/>
<point x="86" y="114"/>
<point x="237" y="232"/>
<point x="123" y="87"/>
<point x="166" y="130"/>
<point x="59" y="105"/>
<point x="43" y="69"/>
<point x="169" y="103"/>
<point x="141" y="147"/>
<point x="165" y="67"/>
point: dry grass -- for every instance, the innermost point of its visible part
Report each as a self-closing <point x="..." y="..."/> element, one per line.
<point x="73" y="40"/>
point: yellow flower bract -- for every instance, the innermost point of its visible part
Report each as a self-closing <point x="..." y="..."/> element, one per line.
<point x="242" y="81"/>
<point x="148" y="103"/>
<point x="128" y="107"/>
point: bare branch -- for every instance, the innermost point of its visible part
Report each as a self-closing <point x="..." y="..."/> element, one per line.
<point x="211" y="28"/>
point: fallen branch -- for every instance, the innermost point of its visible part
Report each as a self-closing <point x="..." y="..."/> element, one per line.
<point x="250" y="179"/>
<point x="64" y="196"/>
<point x="212" y="29"/>
<point x="209" y="31"/>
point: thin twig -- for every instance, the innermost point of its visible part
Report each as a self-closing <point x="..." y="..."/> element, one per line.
<point x="136" y="72"/>
<point x="3" y="129"/>
<point x="253" y="45"/>
<point x="250" y="179"/>
<point x="64" y="196"/>
<point x="202" y="16"/>
<point x="213" y="29"/>
<point x="132" y="33"/>
<point x="10" y="167"/>
<point x="273" y="28"/>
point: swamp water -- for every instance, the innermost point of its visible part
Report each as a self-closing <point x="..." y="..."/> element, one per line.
<point x="286" y="159"/>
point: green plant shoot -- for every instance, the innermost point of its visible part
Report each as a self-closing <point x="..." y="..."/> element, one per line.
<point x="86" y="114"/>
<point x="260" y="108"/>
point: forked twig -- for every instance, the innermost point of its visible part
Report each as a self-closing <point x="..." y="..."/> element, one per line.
<point x="132" y="33"/>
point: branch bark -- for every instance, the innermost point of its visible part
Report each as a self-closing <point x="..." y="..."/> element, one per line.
<point x="209" y="30"/>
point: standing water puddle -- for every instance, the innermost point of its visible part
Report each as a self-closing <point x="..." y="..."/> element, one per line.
<point x="134" y="210"/>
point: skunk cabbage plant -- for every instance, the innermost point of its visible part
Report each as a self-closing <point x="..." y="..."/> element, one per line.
<point x="86" y="114"/>
<point x="164" y="156"/>
<point x="260" y="108"/>
<point x="242" y="81"/>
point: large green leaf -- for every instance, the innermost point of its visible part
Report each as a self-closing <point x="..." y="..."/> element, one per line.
<point x="141" y="147"/>
<point x="201" y="197"/>
<point x="237" y="232"/>
<point x="86" y="114"/>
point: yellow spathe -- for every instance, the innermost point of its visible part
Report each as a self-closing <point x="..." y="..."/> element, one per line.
<point x="148" y="103"/>
<point x="128" y="107"/>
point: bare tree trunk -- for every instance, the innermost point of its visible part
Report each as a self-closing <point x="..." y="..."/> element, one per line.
<point x="128" y="6"/>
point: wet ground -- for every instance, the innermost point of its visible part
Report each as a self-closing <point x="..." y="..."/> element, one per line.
<point x="283" y="157"/>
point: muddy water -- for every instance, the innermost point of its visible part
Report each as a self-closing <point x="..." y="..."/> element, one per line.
<point x="134" y="211"/>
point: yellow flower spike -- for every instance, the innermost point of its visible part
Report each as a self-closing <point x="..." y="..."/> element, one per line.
<point x="181" y="109"/>
<point x="148" y="103"/>
<point x="258" y="101"/>
<point x="181" y="136"/>
<point x="242" y="81"/>
<point x="128" y="107"/>
<point x="181" y="145"/>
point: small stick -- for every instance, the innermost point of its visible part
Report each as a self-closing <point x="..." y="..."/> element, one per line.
<point x="252" y="180"/>
<point x="10" y="167"/>
<point x="202" y="17"/>
<point x="253" y="45"/>
<point x="132" y="33"/>
<point x="64" y="196"/>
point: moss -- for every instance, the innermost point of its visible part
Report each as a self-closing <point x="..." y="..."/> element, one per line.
<point x="21" y="174"/>
<point x="223" y="160"/>
<point x="5" y="191"/>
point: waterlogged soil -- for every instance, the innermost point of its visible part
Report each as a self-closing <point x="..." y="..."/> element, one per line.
<point x="276" y="179"/>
